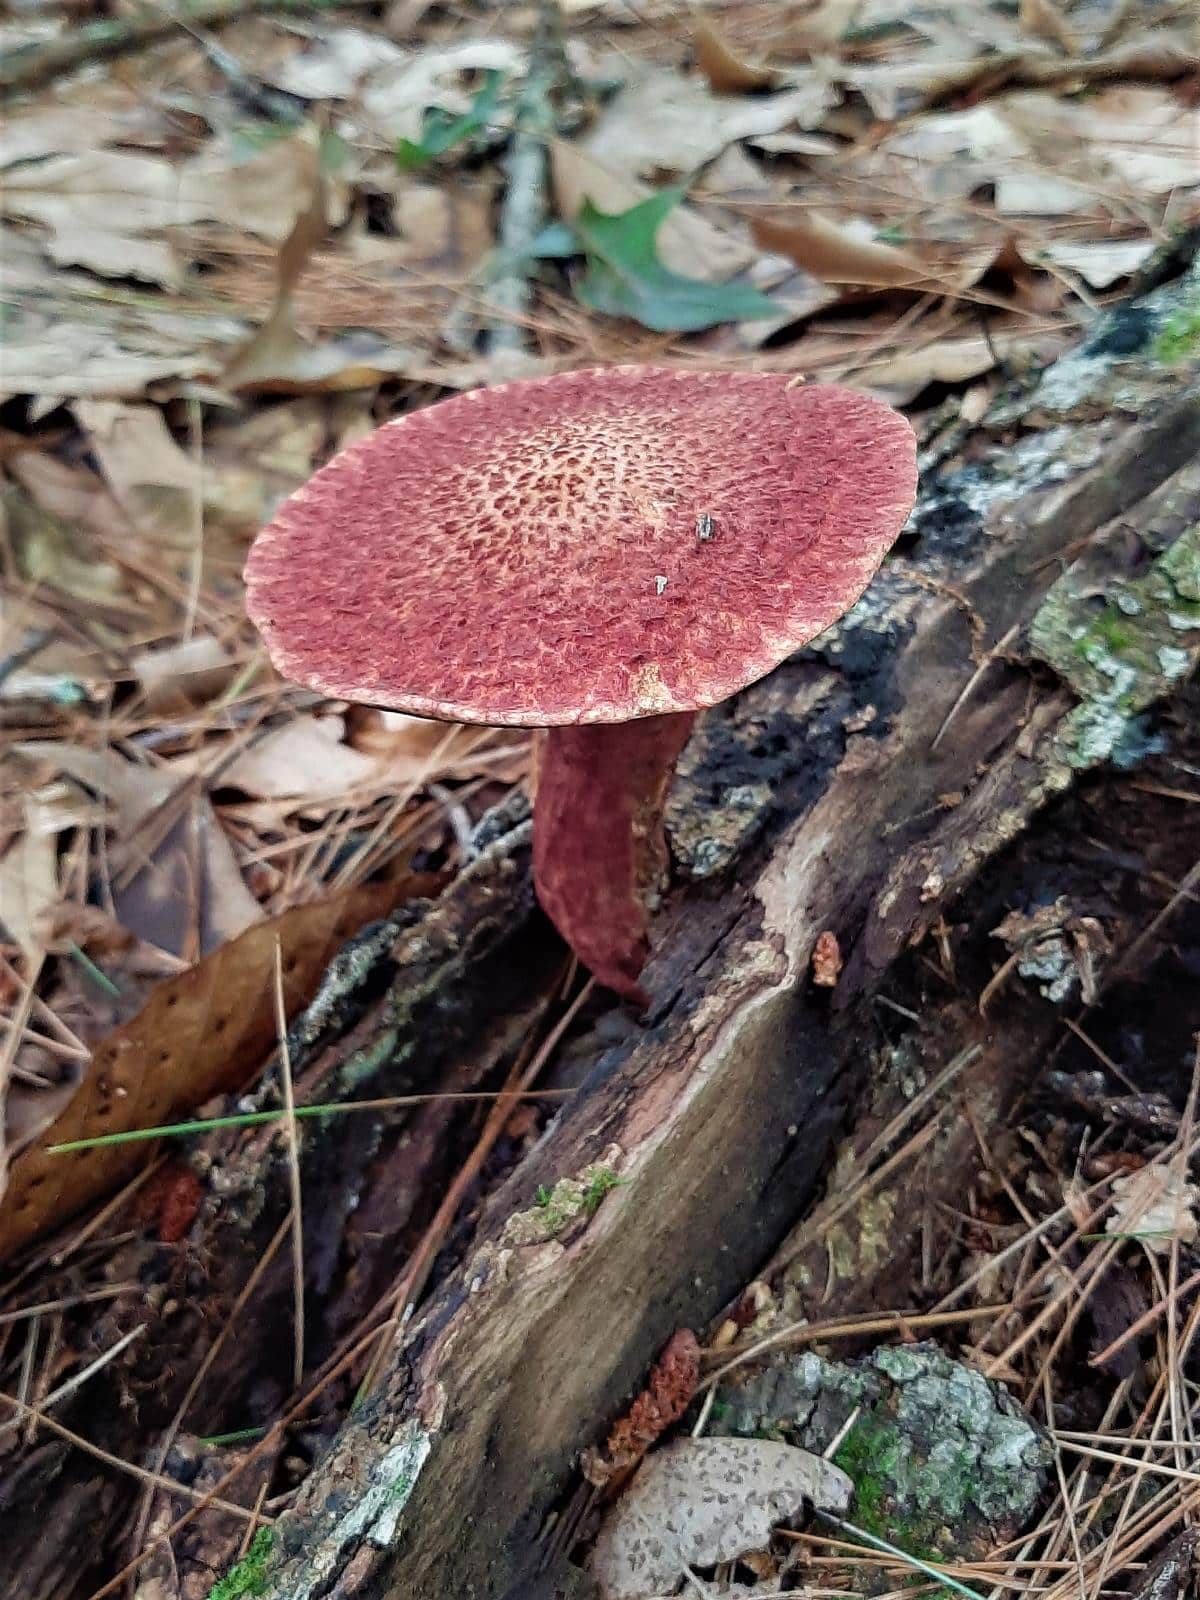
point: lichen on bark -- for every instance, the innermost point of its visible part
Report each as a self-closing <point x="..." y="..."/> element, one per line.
<point x="943" y="1460"/>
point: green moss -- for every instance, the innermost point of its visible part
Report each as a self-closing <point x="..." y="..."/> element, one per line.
<point x="249" y="1577"/>
<point x="570" y="1198"/>
<point x="598" y="1185"/>
<point x="890" y="1498"/>
<point x="1180" y="336"/>
<point x="1109" y="629"/>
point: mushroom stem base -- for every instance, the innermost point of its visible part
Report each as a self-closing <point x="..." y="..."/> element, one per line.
<point x="599" y="853"/>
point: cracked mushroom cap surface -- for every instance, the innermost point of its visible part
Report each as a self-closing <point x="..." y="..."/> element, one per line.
<point x="592" y="547"/>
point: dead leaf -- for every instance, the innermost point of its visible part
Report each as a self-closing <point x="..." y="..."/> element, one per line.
<point x="337" y="63"/>
<point x="954" y="152"/>
<point x="176" y="882"/>
<point x="834" y="254"/>
<point x="45" y="355"/>
<point x="281" y="362"/>
<point x="156" y="482"/>
<point x="277" y="345"/>
<point x="661" y="122"/>
<point x="252" y="461"/>
<point x="901" y="377"/>
<point x="187" y="670"/>
<point x="263" y="195"/>
<point x="50" y="547"/>
<point x="276" y="359"/>
<point x="1158" y="1205"/>
<point x="304" y="759"/>
<point x="29" y="880"/>
<point x="57" y="129"/>
<point x="415" y="750"/>
<point x="726" y="72"/>
<point x="702" y="1501"/>
<point x="200" y="1034"/>
<point x="1043" y="20"/>
<point x="823" y="27"/>
<point x="1140" y="132"/>
<point x="1042" y="194"/>
<point x="799" y="296"/>
<point x="98" y="207"/>
<point x="1099" y="262"/>
<point x="62" y="339"/>
<point x="395" y="98"/>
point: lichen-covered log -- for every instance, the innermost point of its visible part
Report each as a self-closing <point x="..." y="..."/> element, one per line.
<point x="1049" y="594"/>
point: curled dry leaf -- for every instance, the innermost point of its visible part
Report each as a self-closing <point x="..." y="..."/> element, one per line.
<point x="668" y="1391"/>
<point x="200" y="1034"/>
<point x="1157" y="1205"/>
<point x="726" y="72"/>
<point x="900" y="376"/>
<point x="185" y="670"/>
<point x="834" y="254"/>
<point x="701" y="1501"/>
<point x="176" y="880"/>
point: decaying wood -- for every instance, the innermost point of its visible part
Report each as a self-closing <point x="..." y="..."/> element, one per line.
<point x="892" y="765"/>
<point x="854" y="793"/>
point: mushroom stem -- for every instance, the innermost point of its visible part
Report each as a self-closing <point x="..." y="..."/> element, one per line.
<point x="599" y="853"/>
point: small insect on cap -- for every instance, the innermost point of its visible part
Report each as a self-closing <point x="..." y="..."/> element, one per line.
<point x="592" y="547"/>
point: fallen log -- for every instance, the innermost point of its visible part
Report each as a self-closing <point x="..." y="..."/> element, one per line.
<point x="858" y="791"/>
<point x="1045" y="597"/>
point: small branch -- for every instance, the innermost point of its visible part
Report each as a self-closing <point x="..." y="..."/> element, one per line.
<point x="523" y="212"/>
<point x="32" y="66"/>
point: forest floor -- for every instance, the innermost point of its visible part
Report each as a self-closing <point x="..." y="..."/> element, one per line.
<point x="236" y="238"/>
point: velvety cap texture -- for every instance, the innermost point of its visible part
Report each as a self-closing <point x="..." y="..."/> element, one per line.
<point x="591" y="547"/>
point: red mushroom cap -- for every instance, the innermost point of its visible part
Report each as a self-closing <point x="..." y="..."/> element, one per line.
<point x="592" y="547"/>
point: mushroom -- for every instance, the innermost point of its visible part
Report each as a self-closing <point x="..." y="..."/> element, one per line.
<point x="599" y="554"/>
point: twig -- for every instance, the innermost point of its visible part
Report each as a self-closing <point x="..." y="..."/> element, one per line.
<point x="77" y="1380"/>
<point x="107" y="1292"/>
<point x="169" y="1485"/>
<point x="34" y="642"/>
<point x="32" y="66"/>
<point x="804" y="1333"/>
<point x="523" y="214"/>
<point x="171" y="1432"/>
<point x="293" y="1149"/>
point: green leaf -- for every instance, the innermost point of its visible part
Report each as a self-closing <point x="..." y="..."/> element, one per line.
<point x="625" y="278"/>
<point x="443" y="131"/>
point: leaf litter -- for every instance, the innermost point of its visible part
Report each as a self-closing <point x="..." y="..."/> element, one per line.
<point x="230" y="253"/>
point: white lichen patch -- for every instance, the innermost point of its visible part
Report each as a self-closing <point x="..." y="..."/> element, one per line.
<point x="1122" y="661"/>
<point x="1173" y="662"/>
